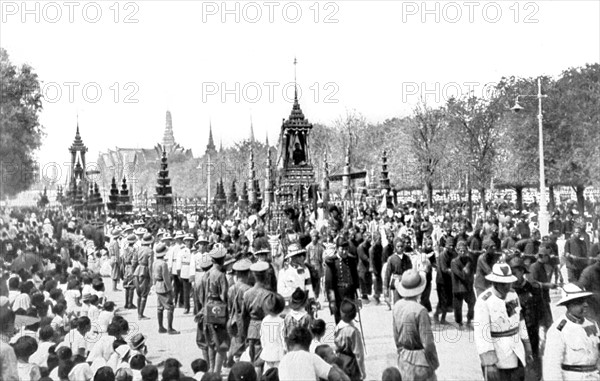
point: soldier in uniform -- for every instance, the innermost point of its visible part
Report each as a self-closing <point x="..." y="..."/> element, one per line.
<point x="114" y="252"/>
<point x="235" y="299"/>
<point x="341" y="278"/>
<point x="262" y="255"/>
<point x="142" y="263"/>
<point x="188" y="270"/>
<point x="201" y="249"/>
<point x="572" y="341"/>
<point x="397" y="264"/>
<point x="205" y="264"/>
<point x="253" y="313"/>
<point x="128" y="282"/>
<point x="500" y="331"/>
<point x="163" y="287"/>
<point x="175" y="259"/>
<point x="212" y="294"/>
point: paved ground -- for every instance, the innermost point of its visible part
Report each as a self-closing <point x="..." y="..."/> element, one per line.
<point x="456" y="349"/>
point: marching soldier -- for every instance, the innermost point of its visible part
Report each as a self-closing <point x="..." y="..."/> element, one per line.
<point x="142" y="263"/>
<point x="161" y="277"/>
<point x="572" y="340"/>
<point x="175" y="260"/>
<point x="212" y="293"/>
<point x="500" y="332"/>
<point x="201" y="245"/>
<point x="235" y="299"/>
<point x="205" y="265"/>
<point x="253" y="313"/>
<point x="341" y="278"/>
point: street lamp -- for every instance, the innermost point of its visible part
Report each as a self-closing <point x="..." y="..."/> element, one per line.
<point x="543" y="212"/>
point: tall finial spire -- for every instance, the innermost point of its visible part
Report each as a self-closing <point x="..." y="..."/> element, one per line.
<point x="267" y="140"/>
<point x="295" y="82"/>
<point x="210" y="147"/>
<point x="251" y="130"/>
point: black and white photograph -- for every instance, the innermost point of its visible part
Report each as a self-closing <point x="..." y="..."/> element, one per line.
<point x="303" y="190"/>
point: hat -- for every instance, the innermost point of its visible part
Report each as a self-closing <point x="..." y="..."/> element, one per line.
<point x="205" y="262"/>
<point x="166" y="237"/>
<point x="188" y="237"/>
<point x="127" y="229"/>
<point x="147" y="239"/>
<point x="160" y="250"/>
<point x="137" y="341"/>
<point x="274" y="303"/>
<point x="179" y="234"/>
<point x="123" y="350"/>
<point x="218" y="252"/>
<point x="229" y="259"/>
<point x="140" y="231"/>
<point x="115" y="232"/>
<point x="201" y="239"/>
<point x="139" y="222"/>
<point x="518" y="262"/>
<point x="251" y="220"/>
<point x="131" y="238"/>
<point x="242" y="265"/>
<point x="571" y="291"/>
<point x="259" y="267"/>
<point x="412" y="284"/>
<point x="293" y="250"/>
<point x="161" y="231"/>
<point x="501" y="273"/>
<point x="298" y="299"/>
<point x="47" y="221"/>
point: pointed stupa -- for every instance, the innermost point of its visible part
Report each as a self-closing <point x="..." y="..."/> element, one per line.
<point x="168" y="139"/>
<point x="251" y="131"/>
<point x="210" y="147"/>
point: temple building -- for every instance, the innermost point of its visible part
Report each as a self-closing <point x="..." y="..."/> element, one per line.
<point x="129" y="162"/>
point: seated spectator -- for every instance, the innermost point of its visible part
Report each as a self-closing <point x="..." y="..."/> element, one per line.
<point x="199" y="367"/>
<point x="24" y="348"/>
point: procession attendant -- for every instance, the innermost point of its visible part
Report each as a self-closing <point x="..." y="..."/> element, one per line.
<point x="532" y="303"/>
<point x="590" y="280"/>
<point x="498" y="315"/>
<point x="235" y="298"/>
<point x="364" y="274"/>
<point x="576" y="252"/>
<point x="572" y="342"/>
<point x="142" y="263"/>
<point x="376" y="265"/>
<point x="188" y="270"/>
<point x="428" y="261"/>
<point x="212" y="293"/>
<point x="463" y="275"/>
<point x="341" y="278"/>
<point x="253" y="313"/>
<point x="444" y="281"/>
<point x="161" y="276"/>
<point x="485" y="262"/>
<point x="261" y="254"/>
<point x="129" y="254"/>
<point x="396" y="265"/>
<point x="314" y="258"/>
<point x="114" y="251"/>
<point x="294" y="274"/>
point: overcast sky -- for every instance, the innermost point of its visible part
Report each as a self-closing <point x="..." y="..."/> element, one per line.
<point x="377" y="57"/>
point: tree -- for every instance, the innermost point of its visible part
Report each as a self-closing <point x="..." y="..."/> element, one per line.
<point x="20" y="105"/>
<point x="477" y="133"/>
<point x="428" y="136"/>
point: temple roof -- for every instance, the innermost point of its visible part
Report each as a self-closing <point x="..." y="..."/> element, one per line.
<point x="296" y="120"/>
<point x="78" y="142"/>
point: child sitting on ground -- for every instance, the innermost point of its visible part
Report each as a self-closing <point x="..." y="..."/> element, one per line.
<point x="199" y="367"/>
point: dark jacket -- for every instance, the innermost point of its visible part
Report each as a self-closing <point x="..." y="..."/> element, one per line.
<point x="463" y="274"/>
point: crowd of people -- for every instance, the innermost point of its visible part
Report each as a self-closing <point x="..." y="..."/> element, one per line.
<point x="255" y="295"/>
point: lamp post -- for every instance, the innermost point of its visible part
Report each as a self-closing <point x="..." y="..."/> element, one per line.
<point x="543" y="217"/>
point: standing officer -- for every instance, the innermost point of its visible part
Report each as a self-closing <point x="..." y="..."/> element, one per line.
<point x="188" y="270"/>
<point x="201" y="245"/>
<point x="142" y="263"/>
<point x="176" y="268"/>
<point x="500" y="332"/>
<point x="235" y="299"/>
<point x="212" y="293"/>
<point x="164" y="289"/>
<point x="128" y="255"/>
<point x="397" y="264"/>
<point x="572" y="343"/>
<point x="114" y="252"/>
<point x="341" y="278"/>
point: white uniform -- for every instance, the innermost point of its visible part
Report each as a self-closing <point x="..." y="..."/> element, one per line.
<point x="291" y="278"/>
<point x="572" y="350"/>
<point x="187" y="270"/>
<point x="500" y="328"/>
